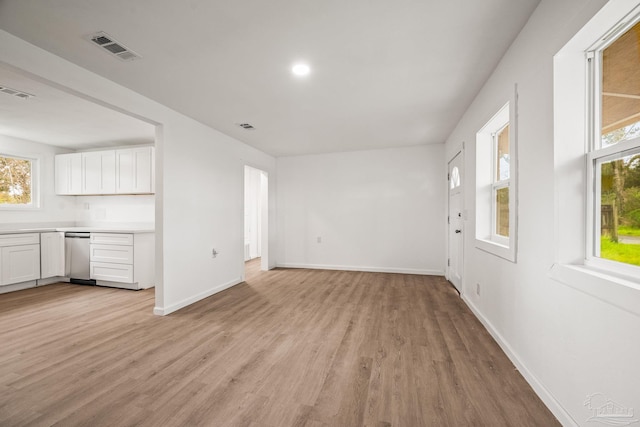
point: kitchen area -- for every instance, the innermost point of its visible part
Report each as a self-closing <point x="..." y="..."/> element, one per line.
<point x="77" y="185"/>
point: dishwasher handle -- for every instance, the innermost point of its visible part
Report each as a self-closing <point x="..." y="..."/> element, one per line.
<point x="77" y="235"/>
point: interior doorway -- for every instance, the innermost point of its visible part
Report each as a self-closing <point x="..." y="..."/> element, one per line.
<point x="256" y="219"/>
<point x="455" y="222"/>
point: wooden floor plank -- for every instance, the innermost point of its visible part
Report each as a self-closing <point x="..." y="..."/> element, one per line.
<point x="289" y="347"/>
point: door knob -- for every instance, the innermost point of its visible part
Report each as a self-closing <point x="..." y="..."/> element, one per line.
<point x="458" y="231"/>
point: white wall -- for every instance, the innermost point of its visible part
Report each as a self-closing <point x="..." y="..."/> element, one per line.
<point x="378" y="210"/>
<point x="568" y="344"/>
<point x="199" y="181"/>
<point x="125" y="210"/>
<point x="54" y="210"/>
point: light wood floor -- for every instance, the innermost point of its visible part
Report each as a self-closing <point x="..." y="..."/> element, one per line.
<point x="286" y="348"/>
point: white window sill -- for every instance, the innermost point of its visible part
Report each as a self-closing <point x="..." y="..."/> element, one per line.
<point x="19" y="208"/>
<point x="495" y="248"/>
<point x="621" y="292"/>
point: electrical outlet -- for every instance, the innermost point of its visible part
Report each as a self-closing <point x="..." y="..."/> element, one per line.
<point x="478" y="289"/>
<point x="319" y="239"/>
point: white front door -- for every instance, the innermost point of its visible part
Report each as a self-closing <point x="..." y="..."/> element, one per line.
<point x="455" y="231"/>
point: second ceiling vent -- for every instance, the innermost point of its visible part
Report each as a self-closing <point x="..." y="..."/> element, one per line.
<point x="16" y="93"/>
<point x="114" y="47"/>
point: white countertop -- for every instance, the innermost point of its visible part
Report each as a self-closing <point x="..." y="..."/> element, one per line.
<point x="107" y="230"/>
<point x="81" y="229"/>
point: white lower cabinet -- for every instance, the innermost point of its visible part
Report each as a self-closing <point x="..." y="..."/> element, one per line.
<point x="52" y="254"/>
<point x="122" y="260"/>
<point x="118" y="254"/>
<point x="121" y="273"/>
<point x="19" y="263"/>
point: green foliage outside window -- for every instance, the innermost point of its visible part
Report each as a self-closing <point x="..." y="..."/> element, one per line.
<point x="15" y="181"/>
<point x="620" y="201"/>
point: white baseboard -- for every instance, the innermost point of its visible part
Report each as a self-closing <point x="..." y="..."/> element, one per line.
<point x="163" y="311"/>
<point x="17" y="286"/>
<point x="543" y="393"/>
<point x="366" y="269"/>
<point x="52" y="280"/>
<point x="31" y="284"/>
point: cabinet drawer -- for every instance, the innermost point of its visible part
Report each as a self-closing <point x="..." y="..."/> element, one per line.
<point x="122" y="273"/>
<point x="19" y="239"/>
<point x="111" y="253"/>
<point x="112" y="239"/>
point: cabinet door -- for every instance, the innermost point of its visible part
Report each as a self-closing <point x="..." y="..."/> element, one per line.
<point x="99" y="172"/>
<point x="52" y="260"/>
<point x="134" y="170"/>
<point x="20" y="263"/>
<point x="68" y="174"/>
<point x="143" y="173"/>
<point x="124" y="171"/>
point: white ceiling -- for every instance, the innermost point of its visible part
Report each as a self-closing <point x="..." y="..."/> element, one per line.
<point x="55" y="117"/>
<point x="384" y="73"/>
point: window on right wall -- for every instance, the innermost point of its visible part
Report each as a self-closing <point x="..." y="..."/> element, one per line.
<point x="613" y="160"/>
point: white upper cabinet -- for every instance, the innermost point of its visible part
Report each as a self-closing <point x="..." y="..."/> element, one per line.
<point x="123" y="171"/>
<point x="68" y="173"/>
<point x="134" y="170"/>
<point x="99" y="172"/>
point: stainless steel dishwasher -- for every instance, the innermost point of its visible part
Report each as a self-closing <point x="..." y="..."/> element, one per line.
<point x="77" y="258"/>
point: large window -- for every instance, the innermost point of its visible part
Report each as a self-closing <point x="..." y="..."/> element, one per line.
<point x="17" y="182"/>
<point x="495" y="186"/>
<point x="613" y="236"/>
<point x="585" y="251"/>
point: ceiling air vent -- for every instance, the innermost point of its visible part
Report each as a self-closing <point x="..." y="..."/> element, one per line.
<point x="14" y="92"/>
<point x="246" y="126"/>
<point x="114" y="47"/>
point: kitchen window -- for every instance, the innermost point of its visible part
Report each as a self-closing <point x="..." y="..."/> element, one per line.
<point x="495" y="185"/>
<point x="18" y="182"/>
<point x="613" y="160"/>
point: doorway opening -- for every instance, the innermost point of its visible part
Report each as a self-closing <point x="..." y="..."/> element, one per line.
<point x="102" y="155"/>
<point x="256" y="222"/>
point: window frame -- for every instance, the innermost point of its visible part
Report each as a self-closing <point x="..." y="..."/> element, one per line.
<point x="35" y="183"/>
<point x="487" y="184"/>
<point x="596" y="154"/>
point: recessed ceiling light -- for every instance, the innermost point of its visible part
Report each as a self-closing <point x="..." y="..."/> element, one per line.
<point x="300" y="69"/>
